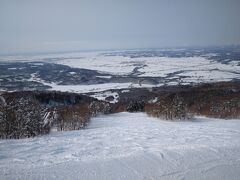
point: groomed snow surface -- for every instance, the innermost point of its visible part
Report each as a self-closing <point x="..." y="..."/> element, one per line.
<point x="128" y="146"/>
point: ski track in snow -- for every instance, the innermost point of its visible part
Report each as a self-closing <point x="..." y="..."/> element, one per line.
<point x="128" y="146"/>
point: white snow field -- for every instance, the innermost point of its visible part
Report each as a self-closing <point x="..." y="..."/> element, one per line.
<point x="196" y="69"/>
<point x="187" y="70"/>
<point x="128" y="146"/>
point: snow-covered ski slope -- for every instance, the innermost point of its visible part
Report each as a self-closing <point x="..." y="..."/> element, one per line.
<point x="128" y="146"/>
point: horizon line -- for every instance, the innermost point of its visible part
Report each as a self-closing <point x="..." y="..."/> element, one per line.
<point x="114" y="49"/>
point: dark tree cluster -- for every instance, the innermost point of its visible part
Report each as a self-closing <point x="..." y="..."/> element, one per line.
<point x="135" y="106"/>
<point x="28" y="114"/>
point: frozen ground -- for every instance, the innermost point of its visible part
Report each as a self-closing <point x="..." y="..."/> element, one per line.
<point x="128" y="146"/>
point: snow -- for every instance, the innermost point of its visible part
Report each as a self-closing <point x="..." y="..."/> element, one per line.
<point x="173" y="71"/>
<point x="125" y="91"/>
<point x="90" y="88"/>
<point x="206" y="76"/>
<point x="147" y="66"/>
<point x="106" y="77"/>
<point x="153" y="100"/>
<point x="37" y="64"/>
<point x="202" y="68"/>
<point x="87" y="88"/>
<point x="12" y="68"/>
<point x="128" y="146"/>
<point x="188" y="69"/>
<point x="2" y="100"/>
<point x="46" y="118"/>
<point x="103" y="95"/>
<point x="72" y="73"/>
<point x="117" y="65"/>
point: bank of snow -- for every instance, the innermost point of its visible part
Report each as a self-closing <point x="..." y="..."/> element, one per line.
<point x="128" y="146"/>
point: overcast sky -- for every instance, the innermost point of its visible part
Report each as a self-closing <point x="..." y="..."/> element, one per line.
<point x="64" y="25"/>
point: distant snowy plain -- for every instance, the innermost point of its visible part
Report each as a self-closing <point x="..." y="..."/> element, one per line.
<point x="128" y="146"/>
<point x="194" y="69"/>
<point x="172" y="70"/>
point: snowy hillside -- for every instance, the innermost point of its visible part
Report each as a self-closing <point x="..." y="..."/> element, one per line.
<point x="128" y="146"/>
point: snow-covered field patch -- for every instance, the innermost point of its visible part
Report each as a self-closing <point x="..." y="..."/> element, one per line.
<point x="93" y="87"/>
<point x="106" y="94"/>
<point x="201" y="67"/>
<point x="128" y="146"/>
